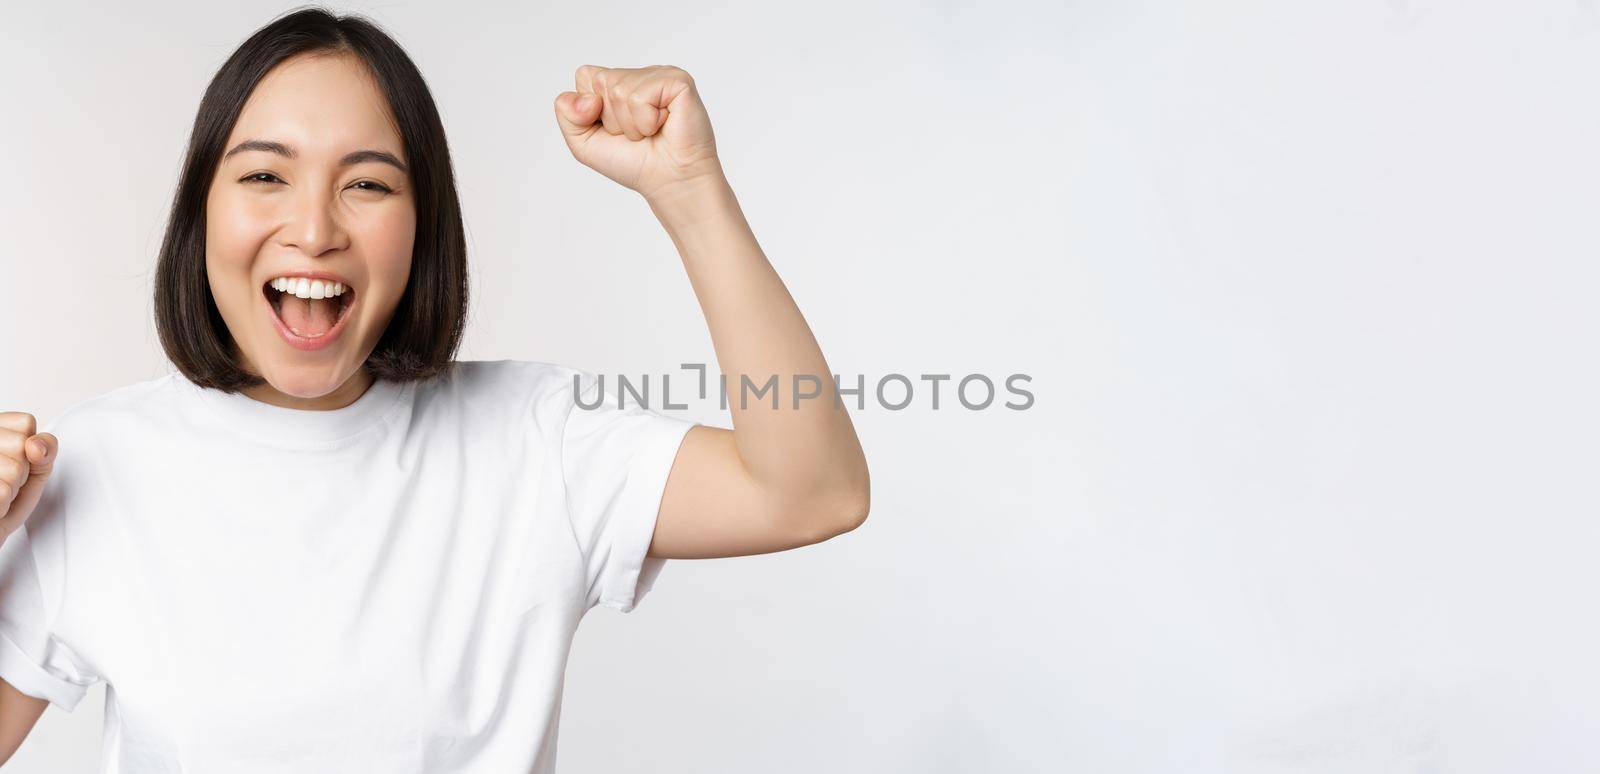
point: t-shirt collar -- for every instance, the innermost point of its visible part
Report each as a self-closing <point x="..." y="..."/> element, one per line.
<point x="282" y="426"/>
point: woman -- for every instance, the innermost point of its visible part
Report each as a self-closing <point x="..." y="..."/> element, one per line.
<point x="323" y="544"/>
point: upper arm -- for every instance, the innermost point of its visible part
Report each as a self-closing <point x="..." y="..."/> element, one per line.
<point x="18" y="714"/>
<point x="711" y="507"/>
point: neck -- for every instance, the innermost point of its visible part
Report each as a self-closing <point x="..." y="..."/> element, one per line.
<point x="346" y="394"/>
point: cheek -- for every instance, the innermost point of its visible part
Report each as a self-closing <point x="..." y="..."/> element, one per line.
<point x="234" y="231"/>
<point x="233" y="234"/>
<point x="386" y="240"/>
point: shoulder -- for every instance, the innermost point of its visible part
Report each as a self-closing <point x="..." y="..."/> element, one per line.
<point x="506" y="373"/>
<point x="114" y="409"/>
<point x="92" y="431"/>
<point x="541" y="390"/>
<point x="534" y="380"/>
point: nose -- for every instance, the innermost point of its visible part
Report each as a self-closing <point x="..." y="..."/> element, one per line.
<point x="313" y="225"/>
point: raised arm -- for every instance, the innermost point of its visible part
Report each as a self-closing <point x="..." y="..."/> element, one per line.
<point x="785" y="475"/>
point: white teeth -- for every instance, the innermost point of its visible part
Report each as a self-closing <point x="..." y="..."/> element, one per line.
<point x="307" y="288"/>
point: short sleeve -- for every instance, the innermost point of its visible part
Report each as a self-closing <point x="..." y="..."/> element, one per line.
<point x="615" y="462"/>
<point x="32" y="572"/>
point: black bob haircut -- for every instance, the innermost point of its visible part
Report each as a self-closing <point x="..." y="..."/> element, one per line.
<point x="422" y="337"/>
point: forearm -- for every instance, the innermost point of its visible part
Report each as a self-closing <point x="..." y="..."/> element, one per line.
<point x="19" y="713"/>
<point x="796" y="449"/>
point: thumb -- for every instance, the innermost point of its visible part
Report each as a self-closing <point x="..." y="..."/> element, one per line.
<point x="41" y="451"/>
<point x="577" y="113"/>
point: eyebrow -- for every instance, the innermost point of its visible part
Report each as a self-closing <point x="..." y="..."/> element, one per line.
<point x="353" y="157"/>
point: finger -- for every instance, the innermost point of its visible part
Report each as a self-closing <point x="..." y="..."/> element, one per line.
<point x="19" y="421"/>
<point x="27" y="495"/>
<point x="13" y="464"/>
<point x="13" y="472"/>
<point x="652" y="96"/>
<point x="13" y="446"/>
<point x="11" y="441"/>
<point x="602" y="81"/>
<point x="647" y="118"/>
<point x="576" y="113"/>
<point x="627" y="120"/>
<point x="585" y="81"/>
<point x="640" y="99"/>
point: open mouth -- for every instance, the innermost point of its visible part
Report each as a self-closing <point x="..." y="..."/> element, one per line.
<point x="309" y="318"/>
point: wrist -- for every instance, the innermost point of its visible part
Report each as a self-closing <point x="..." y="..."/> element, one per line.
<point x="690" y="198"/>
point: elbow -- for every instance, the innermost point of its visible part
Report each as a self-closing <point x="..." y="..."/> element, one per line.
<point x="827" y="511"/>
<point x="820" y="520"/>
<point x="854" y="504"/>
<point x="856" y="514"/>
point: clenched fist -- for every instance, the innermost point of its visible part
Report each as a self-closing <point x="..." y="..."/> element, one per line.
<point x="25" y="462"/>
<point x="642" y="127"/>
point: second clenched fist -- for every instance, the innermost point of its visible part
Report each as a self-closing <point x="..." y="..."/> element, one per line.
<point x="26" y="459"/>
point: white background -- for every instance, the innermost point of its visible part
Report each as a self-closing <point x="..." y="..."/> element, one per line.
<point x="1305" y="289"/>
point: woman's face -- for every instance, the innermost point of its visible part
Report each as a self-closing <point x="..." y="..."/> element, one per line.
<point x="312" y="184"/>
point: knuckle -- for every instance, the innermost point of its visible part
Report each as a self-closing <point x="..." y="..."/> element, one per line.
<point x="21" y="420"/>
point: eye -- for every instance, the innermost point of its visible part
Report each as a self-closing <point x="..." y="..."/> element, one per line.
<point x="374" y="186"/>
<point x="260" y="177"/>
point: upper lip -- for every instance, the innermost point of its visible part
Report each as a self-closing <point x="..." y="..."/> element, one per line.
<point x="312" y="274"/>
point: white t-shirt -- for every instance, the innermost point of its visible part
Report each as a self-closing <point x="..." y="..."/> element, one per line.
<point x="390" y="587"/>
